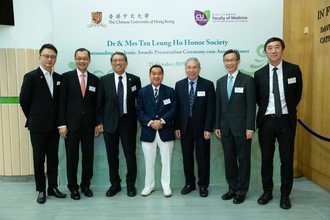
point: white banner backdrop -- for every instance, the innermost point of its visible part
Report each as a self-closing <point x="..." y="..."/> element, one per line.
<point x="166" y="33"/>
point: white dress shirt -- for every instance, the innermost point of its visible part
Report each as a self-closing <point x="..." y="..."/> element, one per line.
<point x="271" y="103"/>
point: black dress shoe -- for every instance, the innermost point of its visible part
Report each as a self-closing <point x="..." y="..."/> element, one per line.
<point x="75" y="194"/>
<point x="131" y="191"/>
<point x="87" y="191"/>
<point x="57" y="193"/>
<point x="285" y="202"/>
<point x="265" y="198"/>
<point x="228" y="195"/>
<point x="113" y="190"/>
<point x="238" y="199"/>
<point x="203" y="192"/>
<point x="41" y="197"/>
<point x="187" y="189"/>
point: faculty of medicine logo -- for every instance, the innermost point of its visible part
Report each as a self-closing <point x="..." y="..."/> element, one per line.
<point x="96" y="20"/>
<point x="202" y="17"/>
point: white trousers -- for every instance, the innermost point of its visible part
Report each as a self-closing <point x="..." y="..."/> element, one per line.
<point x="149" y="152"/>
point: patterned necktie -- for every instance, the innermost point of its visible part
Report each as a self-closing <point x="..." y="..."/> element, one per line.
<point x="191" y="98"/>
<point x="82" y="84"/>
<point x="276" y="92"/>
<point x="230" y="86"/>
<point x="120" y="97"/>
<point x="156" y="95"/>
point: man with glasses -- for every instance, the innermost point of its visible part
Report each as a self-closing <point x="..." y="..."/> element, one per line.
<point x="77" y="121"/>
<point x="39" y="99"/>
<point x="234" y="124"/>
<point x="116" y="116"/>
<point x="194" y="123"/>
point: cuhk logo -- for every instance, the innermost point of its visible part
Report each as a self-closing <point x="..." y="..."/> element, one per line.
<point x="96" y="20"/>
<point x="202" y="17"/>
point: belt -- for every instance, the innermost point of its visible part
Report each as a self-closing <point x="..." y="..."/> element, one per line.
<point x="274" y="116"/>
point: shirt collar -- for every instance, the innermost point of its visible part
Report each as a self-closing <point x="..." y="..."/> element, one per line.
<point x="80" y="73"/>
<point x="279" y="66"/>
<point x="45" y="71"/>
<point x="154" y="87"/>
<point x="195" y="80"/>
<point x="123" y="75"/>
<point x="233" y="74"/>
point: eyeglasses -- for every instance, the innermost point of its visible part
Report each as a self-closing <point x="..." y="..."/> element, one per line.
<point x="192" y="68"/>
<point x="47" y="57"/>
<point x="230" y="61"/>
<point x="118" y="61"/>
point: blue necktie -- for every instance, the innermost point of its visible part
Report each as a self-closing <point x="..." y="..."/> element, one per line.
<point x="156" y="95"/>
<point x="230" y="86"/>
<point x="191" y="98"/>
<point x="276" y="92"/>
<point x="120" y="97"/>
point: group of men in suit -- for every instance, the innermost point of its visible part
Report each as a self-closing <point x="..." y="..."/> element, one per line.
<point x="113" y="104"/>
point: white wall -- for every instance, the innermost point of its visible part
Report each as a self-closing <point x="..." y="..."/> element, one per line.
<point x="33" y="25"/>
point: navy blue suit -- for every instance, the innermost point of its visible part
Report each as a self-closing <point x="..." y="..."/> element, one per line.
<point x="192" y="129"/>
<point x="147" y="110"/>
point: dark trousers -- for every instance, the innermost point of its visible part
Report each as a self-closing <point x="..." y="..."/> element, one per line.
<point x="127" y="136"/>
<point x="193" y="140"/>
<point x="237" y="154"/>
<point x="85" y="138"/>
<point x="270" y="130"/>
<point x="45" y="145"/>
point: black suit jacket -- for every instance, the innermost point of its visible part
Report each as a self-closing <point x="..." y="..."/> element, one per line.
<point x="203" y="108"/>
<point x="292" y="81"/>
<point x="147" y="110"/>
<point x="74" y="108"/>
<point x="107" y="101"/>
<point x="38" y="105"/>
<point x="238" y="113"/>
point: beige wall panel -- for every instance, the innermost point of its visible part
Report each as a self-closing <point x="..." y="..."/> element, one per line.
<point x="7" y="157"/>
<point x="31" y="60"/>
<point x="13" y="113"/>
<point x="3" y="65"/>
<point x="25" y="154"/>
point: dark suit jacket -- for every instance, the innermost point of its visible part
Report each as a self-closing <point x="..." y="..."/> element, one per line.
<point x="238" y="114"/>
<point x="147" y="109"/>
<point x="107" y="101"/>
<point x="74" y="108"/>
<point x="203" y="108"/>
<point x="38" y="105"/>
<point x="292" y="90"/>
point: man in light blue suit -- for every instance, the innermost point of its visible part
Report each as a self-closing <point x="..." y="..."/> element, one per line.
<point x="156" y="105"/>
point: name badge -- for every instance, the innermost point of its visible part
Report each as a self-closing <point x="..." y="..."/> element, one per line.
<point x="91" y="88"/>
<point x="292" y="80"/>
<point x="239" y="89"/>
<point x="167" y="101"/>
<point x="200" y="93"/>
<point x="133" y="88"/>
<point x="58" y="83"/>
